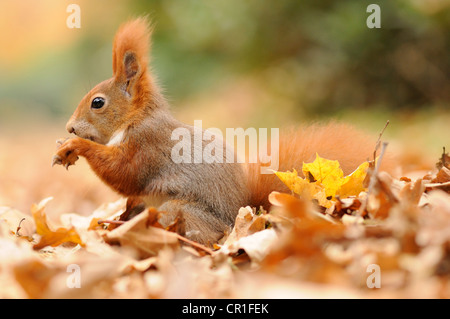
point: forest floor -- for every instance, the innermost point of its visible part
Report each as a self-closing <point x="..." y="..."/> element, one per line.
<point x="390" y="240"/>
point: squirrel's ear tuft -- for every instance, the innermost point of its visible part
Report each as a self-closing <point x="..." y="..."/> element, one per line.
<point x="131" y="49"/>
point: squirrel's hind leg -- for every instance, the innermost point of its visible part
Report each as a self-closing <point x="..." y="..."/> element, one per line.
<point x="196" y="222"/>
<point x="135" y="206"/>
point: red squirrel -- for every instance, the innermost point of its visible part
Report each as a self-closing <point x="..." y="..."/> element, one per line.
<point x="123" y="128"/>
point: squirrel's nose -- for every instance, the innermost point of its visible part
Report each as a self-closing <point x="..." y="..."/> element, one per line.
<point x="70" y="128"/>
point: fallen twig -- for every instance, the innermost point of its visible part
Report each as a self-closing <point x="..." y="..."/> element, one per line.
<point x="195" y="244"/>
<point x="184" y="239"/>
<point x="18" y="227"/>
<point x="106" y="221"/>
<point x="377" y="145"/>
<point x="437" y="185"/>
<point x="373" y="178"/>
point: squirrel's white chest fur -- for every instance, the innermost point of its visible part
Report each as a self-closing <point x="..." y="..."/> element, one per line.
<point x="116" y="138"/>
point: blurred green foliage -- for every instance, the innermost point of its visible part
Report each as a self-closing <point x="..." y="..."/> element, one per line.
<point x="318" y="53"/>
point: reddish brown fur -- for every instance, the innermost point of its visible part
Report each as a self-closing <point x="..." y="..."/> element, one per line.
<point x="133" y="36"/>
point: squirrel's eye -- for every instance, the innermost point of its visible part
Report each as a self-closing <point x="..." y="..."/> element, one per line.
<point x="98" y="103"/>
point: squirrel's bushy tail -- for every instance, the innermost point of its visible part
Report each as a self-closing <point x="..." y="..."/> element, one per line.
<point x="332" y="141"/>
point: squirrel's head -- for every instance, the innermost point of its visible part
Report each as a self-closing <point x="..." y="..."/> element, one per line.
<point x="113" y="104"/>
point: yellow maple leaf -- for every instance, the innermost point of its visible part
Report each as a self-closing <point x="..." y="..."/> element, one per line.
<point x="325" y="180"/>
<point x="51" y="237"/>
<point x="353" y="184"/>
<point x="297" y="184"/>
<point x="304" y="188"/>
<point x="322" y="199"/>
<point x="326" y="172"/>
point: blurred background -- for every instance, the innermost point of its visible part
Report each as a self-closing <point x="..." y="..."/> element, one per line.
<point x="230" y="63"/>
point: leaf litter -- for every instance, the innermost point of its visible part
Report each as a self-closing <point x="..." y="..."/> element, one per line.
<point x="320" y="241"/>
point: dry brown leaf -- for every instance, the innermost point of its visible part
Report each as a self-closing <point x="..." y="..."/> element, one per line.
<point x="58" y="237"/>
<point x="256" y="246"/>
<point x="435" y="224"/>
<point x="247" y="222"/>
<point x="411" y="194"/>
<point x="383" y="196"/>
<point x="147" y="240"/>
<point x="34" y="277"/>
<point x="51" y="237"/>
<point x="303" y="242"/>
<point x="292" y="206"/>
<point x="442" y="179"/>
<point x="444" y="161"/>
<point x="249" y="241"/>
<point x="346" y="206"/>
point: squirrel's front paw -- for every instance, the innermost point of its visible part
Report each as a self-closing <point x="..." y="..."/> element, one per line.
<point x="66" y="153"/>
